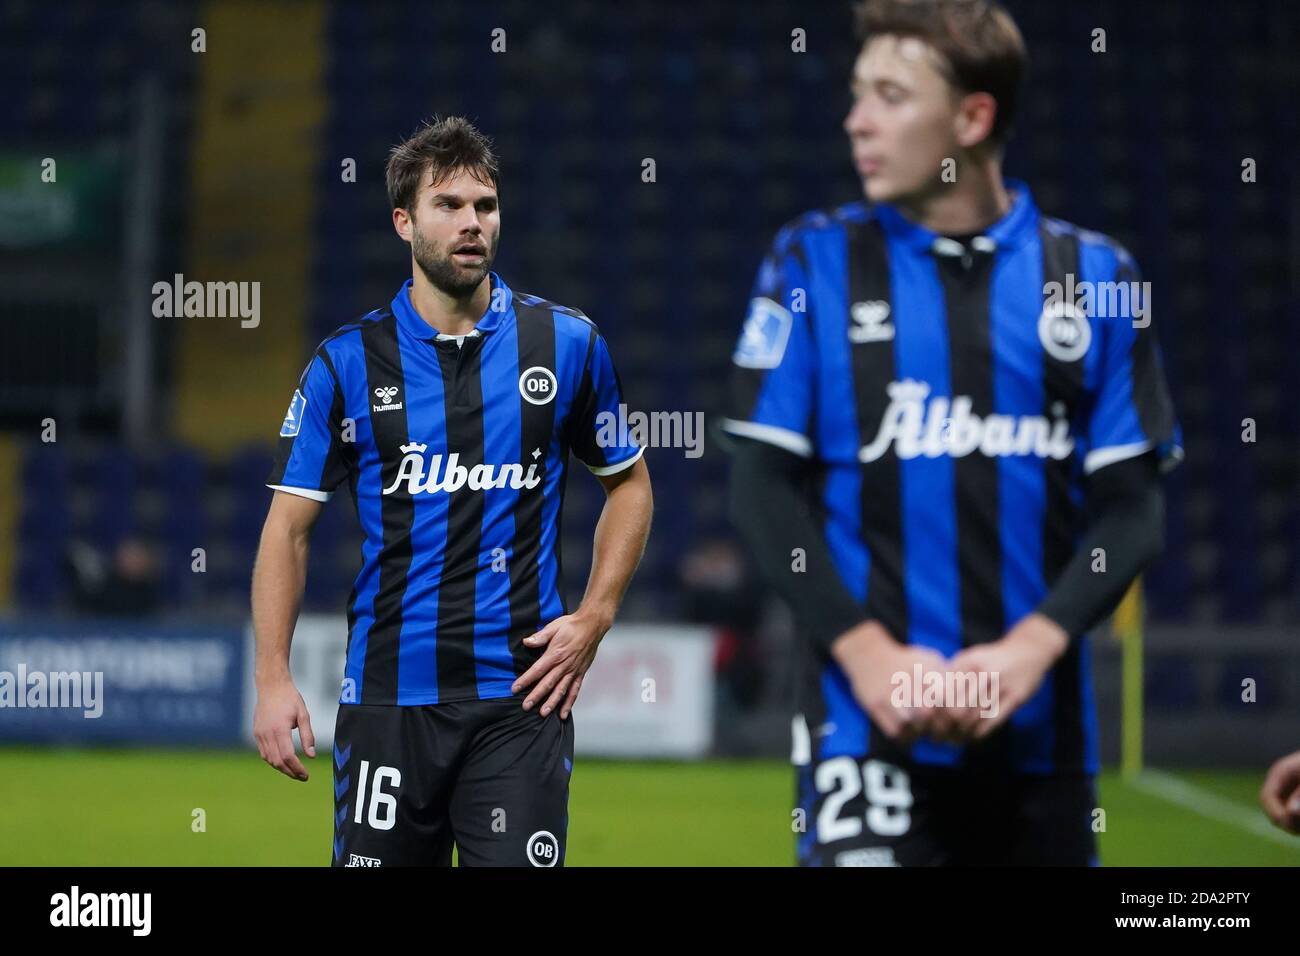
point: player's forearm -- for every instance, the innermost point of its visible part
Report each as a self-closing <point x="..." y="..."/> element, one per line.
<point x="1125" y="534"/>
<point x="618" y="545"/>
<point x="279" y="577"/>
<point x="772" y="514"/>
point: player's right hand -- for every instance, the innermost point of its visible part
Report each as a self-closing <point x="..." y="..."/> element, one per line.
<point x="870" y="657"/>
<point x="1280" y="795"/>
<point x="280" y="709"/>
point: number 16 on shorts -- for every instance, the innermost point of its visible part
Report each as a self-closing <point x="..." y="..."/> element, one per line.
<point x="383" y="806"/>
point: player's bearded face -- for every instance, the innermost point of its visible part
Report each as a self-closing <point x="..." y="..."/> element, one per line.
<point x="901" y="124"/>
<point x="457" y="265"/>
<point x="455" y="229"/>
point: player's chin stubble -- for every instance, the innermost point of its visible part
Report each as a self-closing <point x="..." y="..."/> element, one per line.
<point x="442" y="270"/>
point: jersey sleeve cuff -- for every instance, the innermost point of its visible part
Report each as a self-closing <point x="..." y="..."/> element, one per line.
<point x="791" y="441"/>
<point x="313" y="493"/>
<point x="614" y="469"/>
<point x="1170" y="453"/>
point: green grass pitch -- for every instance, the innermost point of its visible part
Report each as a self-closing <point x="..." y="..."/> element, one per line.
<point x="135" y="807"/>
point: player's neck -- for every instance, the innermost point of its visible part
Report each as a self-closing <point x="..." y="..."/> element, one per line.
<point x="972" y="204"/>
<point x="447" y="313"/>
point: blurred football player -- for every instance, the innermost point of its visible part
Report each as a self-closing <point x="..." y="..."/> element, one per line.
<point x="950" y="418"/>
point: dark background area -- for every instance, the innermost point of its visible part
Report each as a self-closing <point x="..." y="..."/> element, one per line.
<point x="1144" y="142"/>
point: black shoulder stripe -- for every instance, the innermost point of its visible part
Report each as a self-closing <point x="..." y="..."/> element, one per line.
<point x="462" y="377"/>
<point x="1151" y="400"/>
<point x="967" y="287"/>
<point x="528" y="299"/>
<point x="881" y="500"/>
<point x="801" y="257"/>
<point x="397" y="514"/>
<point x="584" y="409"/>
<point x="536" y="345"/>
<point x="1062" y="383"/>
<point x="341" y="455"/>
<point x="324" y="354"/>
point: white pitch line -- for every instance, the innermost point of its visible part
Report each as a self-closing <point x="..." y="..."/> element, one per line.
<point x="1212" y="806"/>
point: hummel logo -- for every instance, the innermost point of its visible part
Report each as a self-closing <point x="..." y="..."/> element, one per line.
<point x="385" y="395"/>
<point x="872" y="322"/>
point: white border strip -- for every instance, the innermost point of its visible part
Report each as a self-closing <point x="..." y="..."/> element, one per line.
<point x="604" y="470"/>
<point x="1101" y="457"/>
<point x="311" y="493"/>
<point x="791" y="441"/>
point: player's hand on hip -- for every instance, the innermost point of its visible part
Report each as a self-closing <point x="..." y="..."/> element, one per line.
<point x="570" y="644"/>
<point x="1015" y="664"/>
<point x="871" y="660"/>
<point x="1280" y="795"/>
<point x="280" y="709"/>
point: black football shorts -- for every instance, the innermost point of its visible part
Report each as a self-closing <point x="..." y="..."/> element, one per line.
<point x="876" y="812"/>
<point x="485" y="775"/>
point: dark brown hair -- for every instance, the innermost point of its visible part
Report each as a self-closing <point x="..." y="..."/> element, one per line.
<point x="446" y="146"/>
<point x="981" y="46"/>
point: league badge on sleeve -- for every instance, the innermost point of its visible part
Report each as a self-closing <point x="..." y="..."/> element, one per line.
<point x="293" y="417"/>
<point x="766" y="332"/>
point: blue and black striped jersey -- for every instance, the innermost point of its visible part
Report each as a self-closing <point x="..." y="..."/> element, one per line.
<point x="952" y="397"/>
<point x="455" y="450"/>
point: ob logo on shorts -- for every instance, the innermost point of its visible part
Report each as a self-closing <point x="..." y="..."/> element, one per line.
<point x="543" y="849"/>
<point x="537" y="385"/>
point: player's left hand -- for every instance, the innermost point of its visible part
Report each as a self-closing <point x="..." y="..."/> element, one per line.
<point x="570" y="643"/>
<point x="1020" y="659"/>
<point x="1280" y="795"/>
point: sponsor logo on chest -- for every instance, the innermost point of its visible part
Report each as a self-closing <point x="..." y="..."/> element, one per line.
<point x="917" y="424"/>
<point x="420" y="476"/>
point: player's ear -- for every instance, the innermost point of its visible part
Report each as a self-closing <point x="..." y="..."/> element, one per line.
<point x="403" y="223"/>
<point x="976" y="114"/>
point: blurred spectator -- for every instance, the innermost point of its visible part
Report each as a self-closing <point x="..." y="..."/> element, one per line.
<point x="125" y="586"/>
